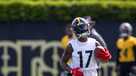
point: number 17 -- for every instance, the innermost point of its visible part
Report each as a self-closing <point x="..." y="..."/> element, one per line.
<point x="81" y="58"/>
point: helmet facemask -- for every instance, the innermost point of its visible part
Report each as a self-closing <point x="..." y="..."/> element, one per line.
<point x="80" y="27"/>
<point x="82" y="31"/>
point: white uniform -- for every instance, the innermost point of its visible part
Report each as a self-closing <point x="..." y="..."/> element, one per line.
<point x="83" y="56"/>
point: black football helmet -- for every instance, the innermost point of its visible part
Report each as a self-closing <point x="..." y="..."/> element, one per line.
<point x="80" y="27"/>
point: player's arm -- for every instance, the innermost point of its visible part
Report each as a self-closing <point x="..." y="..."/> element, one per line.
<point x="66" y="56"/>
<point x="102" y="53"/>
<point x="98" y="37"/>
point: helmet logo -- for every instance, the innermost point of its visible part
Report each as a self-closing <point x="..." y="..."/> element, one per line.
<point x="78" y="21"/>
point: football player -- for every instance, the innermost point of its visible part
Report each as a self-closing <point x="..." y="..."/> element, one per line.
<point x="93" y="33"/>
<point x="126" y="46"/>
<point x="67" y="37"/>
<point x="83" y="51"/>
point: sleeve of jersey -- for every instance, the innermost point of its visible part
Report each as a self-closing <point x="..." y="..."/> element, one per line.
<point x="103" y="55"/>
<point x="64" y="41"/>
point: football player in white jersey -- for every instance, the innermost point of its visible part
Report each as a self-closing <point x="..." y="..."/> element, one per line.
<point x="83" y="51"/>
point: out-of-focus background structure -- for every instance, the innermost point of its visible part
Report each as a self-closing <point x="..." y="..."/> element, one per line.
<point x="31" y="31"/>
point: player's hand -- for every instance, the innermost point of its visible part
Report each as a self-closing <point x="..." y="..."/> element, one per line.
<point x="76" y="72"/>
<point x="102" y="54"/>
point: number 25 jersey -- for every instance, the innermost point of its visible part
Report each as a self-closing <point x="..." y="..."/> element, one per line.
<point x="83" y="54"/>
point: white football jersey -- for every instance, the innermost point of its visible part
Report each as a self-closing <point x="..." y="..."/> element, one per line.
<point x="83" y="54"/>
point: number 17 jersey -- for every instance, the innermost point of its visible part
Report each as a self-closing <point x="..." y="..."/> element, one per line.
<point x="83" y="54"/>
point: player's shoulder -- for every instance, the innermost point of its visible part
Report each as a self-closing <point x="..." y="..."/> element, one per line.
<point x="92" y="39"/>
<point x="64" y="38"/>
<point x="132" y="39"/>
<point x="72" y="40"/>
<point x="119" y="40"/>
